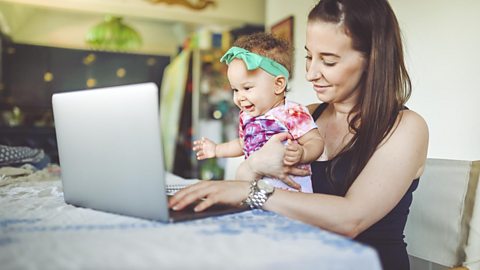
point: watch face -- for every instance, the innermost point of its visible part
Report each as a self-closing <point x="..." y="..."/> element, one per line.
<point x="265" y="186"/>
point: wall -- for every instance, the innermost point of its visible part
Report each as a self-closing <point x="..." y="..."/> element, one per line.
<point x="163" y="27"/>
<point x="441" y="41"/>
<point x="442" y="45"/>
<point x="276" y="10"/>
<point x="67" y="30"/>
<point x="223" y="12"/>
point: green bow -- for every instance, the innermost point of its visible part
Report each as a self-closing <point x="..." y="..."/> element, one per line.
<point x="254" y="61"/>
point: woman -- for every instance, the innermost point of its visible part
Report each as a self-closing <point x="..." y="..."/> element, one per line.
<point x="375" y="149"/>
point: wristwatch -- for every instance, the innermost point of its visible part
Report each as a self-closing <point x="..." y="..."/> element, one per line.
<point x="260" y="191"/>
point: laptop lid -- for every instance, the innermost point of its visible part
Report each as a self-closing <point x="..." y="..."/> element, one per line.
<point x="110" y="150"/>
<point x="111" y="156"/>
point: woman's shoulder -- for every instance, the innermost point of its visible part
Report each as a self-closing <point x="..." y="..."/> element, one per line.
<point x="407" y="143"/>
<point x="408" y="119"/>
<point x="410" y="128"/>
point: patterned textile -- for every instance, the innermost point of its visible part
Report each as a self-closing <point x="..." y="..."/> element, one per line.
<point x="39" y="231"/>
<point x="256" y="131"/>
<point x="18" y="155"/>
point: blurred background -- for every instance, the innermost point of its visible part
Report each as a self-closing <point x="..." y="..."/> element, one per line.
<point x="54" y="46"/>
<point x="50" y="46"/>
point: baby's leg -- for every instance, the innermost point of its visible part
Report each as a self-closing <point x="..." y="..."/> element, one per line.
<point x="304" y="181"/>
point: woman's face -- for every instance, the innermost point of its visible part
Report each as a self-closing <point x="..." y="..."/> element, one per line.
<point x="333" y="66"/>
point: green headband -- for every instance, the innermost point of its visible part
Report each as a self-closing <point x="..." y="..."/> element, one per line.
<point x="254" y="61"/>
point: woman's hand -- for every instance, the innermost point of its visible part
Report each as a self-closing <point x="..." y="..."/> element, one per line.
<point x="210" y="193"/>
<point x="269" y="161"/>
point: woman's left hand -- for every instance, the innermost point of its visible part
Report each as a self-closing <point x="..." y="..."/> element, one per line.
<point x="210" y="193"/>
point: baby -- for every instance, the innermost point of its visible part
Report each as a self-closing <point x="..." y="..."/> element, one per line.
<point x="258" y="71"/>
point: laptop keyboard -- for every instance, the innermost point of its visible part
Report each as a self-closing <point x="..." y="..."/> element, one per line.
<point x="174" y="183"/>
<point x="171" y="189"/>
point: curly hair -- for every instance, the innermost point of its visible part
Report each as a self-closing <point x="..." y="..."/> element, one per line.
<point x="270" y="46"/>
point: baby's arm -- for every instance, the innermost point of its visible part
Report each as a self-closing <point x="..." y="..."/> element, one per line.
<point x="308" y="149"/>
<point x="206" y="148"/>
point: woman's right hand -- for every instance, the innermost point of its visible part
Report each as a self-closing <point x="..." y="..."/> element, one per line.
<point x="269" y="161"/>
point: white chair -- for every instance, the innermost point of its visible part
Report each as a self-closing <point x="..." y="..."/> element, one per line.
<point x="443" y="228"/>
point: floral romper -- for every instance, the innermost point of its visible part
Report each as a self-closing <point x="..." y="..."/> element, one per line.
<point x="290" y="117"/>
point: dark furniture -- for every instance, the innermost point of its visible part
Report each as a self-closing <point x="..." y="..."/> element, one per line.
<point x="31" y="74"/>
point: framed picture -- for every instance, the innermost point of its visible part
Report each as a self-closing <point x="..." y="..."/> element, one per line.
<point x="284" y="29"/>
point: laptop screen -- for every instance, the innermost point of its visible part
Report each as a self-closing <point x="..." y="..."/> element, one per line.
<point x="110" y="150"/>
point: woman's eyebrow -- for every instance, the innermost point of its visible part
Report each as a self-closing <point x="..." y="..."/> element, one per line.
<point x="325" y="53"/>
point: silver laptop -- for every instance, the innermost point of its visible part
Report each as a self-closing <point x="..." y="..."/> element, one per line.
<point x="111" y="155"/>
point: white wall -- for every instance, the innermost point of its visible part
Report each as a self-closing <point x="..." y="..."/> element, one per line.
<point x="442" y="43"/>
<point x="276" y="10"/>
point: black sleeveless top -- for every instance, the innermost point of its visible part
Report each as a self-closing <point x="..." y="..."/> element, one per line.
<point x="386" y="236"/>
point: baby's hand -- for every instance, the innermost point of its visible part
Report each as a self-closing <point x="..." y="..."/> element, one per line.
<point x="205" y="148"/>
<point x="293" y="153"/>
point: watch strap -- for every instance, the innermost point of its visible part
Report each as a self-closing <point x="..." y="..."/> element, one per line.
<point x="257" y="197"/>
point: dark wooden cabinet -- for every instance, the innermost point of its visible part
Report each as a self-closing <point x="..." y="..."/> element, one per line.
<point x="67" y="69"/>
<point x="26" y="66"/>
<point x="34" y="73"/>
<point x="31" y="74"/>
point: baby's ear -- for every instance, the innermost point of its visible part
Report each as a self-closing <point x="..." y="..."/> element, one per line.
<point x="280" y="85"/>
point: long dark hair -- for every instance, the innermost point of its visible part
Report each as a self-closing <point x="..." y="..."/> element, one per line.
<point x="385" y="85"/>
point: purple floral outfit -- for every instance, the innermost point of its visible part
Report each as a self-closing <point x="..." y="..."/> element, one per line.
<point x="290" y="117"/>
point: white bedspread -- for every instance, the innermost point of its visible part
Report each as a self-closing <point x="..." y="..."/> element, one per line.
<point x="39" y="231"/>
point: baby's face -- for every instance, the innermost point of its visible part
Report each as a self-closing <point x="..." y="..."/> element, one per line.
<point x="253" y="91"/>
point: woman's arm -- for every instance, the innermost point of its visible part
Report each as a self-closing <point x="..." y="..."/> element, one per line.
<point x="379" y="187"/>
<point x="223" y="192"/>
<point x="376" y="191"/>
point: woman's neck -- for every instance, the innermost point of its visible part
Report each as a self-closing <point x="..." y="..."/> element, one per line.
<point x="344" y="106"/>
<point x="340" y="110"/>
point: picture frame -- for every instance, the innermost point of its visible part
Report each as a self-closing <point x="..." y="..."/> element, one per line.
<point x="284" y="29"/>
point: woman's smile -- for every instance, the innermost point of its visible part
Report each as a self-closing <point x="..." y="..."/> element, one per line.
<point x="320" y="88"/>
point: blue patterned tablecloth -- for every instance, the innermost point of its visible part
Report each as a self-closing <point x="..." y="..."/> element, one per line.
<point x="39" y="231"/>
